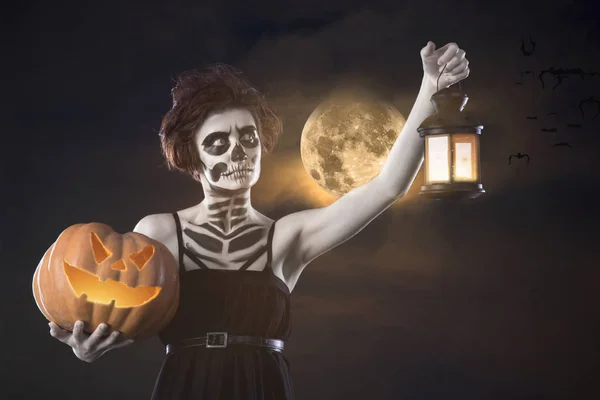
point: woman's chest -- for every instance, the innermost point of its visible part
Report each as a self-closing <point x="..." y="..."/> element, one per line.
<point x="204" y="246"/>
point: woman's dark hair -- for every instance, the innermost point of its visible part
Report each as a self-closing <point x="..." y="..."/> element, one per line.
<point x="201" y="92"/>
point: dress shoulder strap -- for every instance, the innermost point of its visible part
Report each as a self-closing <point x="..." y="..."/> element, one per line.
<point x="179" y="240"/>
<point x="270" y="245"/>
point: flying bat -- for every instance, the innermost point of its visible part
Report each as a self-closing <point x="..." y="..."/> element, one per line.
<point x="548" y="129"/>
<point x="518" y="155"/>
<point x="591" y="100"/>
<point x="531" y="117"/>
<point x="561" y="144"/>
<point x="559" y="80"/>
<point x="559" y="74"/>
<point x="526" y="72"/>
<point x="527" y="52"/>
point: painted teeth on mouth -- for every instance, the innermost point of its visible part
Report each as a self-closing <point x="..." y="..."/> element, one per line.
<point x="238" y="172"/>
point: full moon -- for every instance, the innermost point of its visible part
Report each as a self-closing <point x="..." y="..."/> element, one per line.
<point x="346" y="141"/>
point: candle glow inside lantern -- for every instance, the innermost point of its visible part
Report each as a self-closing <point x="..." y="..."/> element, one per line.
<point x="452" y="163"/>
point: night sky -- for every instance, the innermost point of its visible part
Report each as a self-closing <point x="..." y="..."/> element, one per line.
<point x="495" y="298"/>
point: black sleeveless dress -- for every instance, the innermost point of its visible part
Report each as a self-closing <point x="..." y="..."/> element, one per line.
<point x="240" y="302"/>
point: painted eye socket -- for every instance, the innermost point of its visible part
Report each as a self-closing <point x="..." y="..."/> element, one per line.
<point x="219" y="142"/>
<point x="248" y="137"/>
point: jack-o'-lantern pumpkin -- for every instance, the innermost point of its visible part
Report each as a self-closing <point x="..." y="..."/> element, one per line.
<point x="96" y="275"/>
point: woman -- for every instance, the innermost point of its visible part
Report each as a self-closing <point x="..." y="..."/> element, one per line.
<point x="237" y="266"/>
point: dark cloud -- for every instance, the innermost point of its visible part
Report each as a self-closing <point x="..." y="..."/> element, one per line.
<point x="504" y="298"/>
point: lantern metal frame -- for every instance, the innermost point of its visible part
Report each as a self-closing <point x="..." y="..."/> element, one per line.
<point x="450" y="121"/>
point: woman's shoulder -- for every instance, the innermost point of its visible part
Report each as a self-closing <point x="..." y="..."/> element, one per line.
<point x="157" y="226"/>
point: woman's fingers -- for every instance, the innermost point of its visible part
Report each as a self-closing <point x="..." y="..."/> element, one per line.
<point x="96" y="336"/>
<point x="58" y="333"/>
<point x="78" y="334"/>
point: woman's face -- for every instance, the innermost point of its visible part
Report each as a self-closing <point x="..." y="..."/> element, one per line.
<point x="230" y="149"/>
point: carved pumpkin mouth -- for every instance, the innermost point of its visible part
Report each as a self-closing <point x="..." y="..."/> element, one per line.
<point x="108" y="291"/>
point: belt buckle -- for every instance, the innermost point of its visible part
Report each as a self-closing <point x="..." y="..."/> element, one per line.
<point x="216" y="340"/>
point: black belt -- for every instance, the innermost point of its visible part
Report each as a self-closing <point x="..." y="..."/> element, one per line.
<point x="215" y="340"/>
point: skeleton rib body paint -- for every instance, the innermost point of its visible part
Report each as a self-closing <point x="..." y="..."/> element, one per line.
<point x="224" y="251"/>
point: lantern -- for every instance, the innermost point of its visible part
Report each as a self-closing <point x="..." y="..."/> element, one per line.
<point x="452" y="163"/>
<point x="94" y="274"/>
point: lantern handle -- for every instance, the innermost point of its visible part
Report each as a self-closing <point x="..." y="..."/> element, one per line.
<point x="437" y="88"/>
<point x="437" y="84"/>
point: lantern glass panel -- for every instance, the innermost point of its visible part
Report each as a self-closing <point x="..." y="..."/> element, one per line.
<point x="465" y="157"/>
<point x="437" y="159"/>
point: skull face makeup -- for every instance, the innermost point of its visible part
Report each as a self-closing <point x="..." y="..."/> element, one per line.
<point x="229" y="149"/>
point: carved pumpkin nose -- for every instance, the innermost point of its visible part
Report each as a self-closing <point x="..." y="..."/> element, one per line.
<point x="238" y="153"/>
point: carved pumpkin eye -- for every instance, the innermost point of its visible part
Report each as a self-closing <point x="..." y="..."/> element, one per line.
<point x="101" y="253"/>
<point x="141" y="259"/>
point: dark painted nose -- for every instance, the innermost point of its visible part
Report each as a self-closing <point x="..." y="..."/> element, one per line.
<point x="238" y="153"/>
